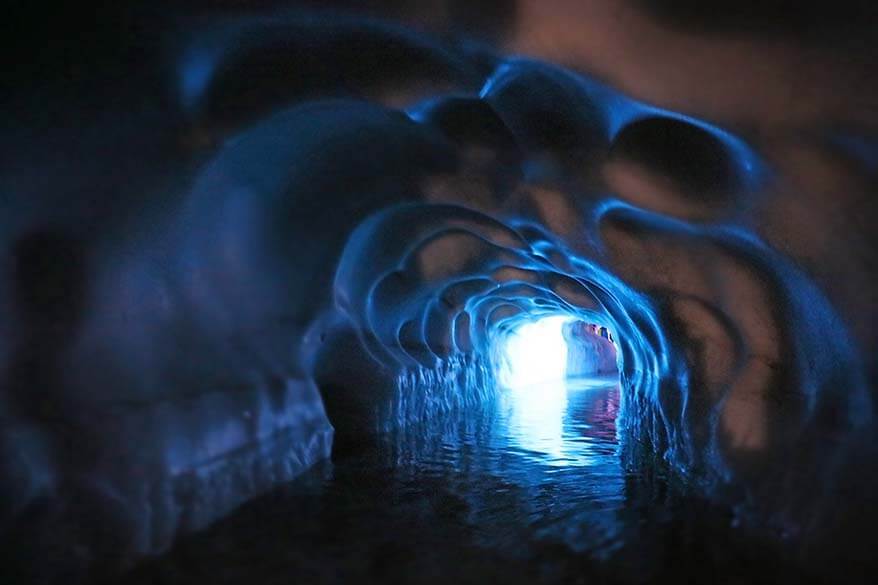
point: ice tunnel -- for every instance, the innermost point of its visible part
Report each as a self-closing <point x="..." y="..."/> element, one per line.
<point x="445" y="278"/>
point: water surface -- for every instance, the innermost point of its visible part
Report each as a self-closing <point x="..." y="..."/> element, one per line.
<point x="529" y="488"/>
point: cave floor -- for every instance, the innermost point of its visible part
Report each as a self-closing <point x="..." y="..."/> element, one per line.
<point x="529" y="490"/>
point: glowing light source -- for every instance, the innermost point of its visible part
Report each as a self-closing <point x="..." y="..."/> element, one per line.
<point x="534" y="353"/>
<point x="531" y="364"/>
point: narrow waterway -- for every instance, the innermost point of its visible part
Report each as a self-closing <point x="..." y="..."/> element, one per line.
<point x="530" y="488"/>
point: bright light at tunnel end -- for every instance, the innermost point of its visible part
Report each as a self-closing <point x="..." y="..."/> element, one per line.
<point x="533" y="353"/>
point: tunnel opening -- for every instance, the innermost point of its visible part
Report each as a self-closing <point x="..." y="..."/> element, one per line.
<point x="551" y="371"/>
<point x="460" y="322"/>
<point x="525" y="301"/>
<point x="534" y="352"/>
<point x="552" y="348"/>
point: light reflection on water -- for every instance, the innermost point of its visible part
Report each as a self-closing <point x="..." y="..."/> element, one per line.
<point x="542" y="459"/>
<point x="563" y="422"/>
<point x="526" y="488"/>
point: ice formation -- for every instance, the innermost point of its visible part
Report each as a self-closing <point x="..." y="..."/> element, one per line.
<point x="350" y="237"/>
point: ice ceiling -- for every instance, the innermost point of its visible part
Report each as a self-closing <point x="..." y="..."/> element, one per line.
<point x="354" y="235"/>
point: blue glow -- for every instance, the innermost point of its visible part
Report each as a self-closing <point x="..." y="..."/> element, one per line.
<point x="536" y="417"/>
<point x="534" y="352"/>
<point x="196" y="72"/>
<point x="531" y="367"/>
<point x="619" y="110"/>
<point x="544" y="421"/>
<point x="500" y="298"/>
<point x="218" y="48"/>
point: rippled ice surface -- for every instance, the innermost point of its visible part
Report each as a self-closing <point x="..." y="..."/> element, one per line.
<point x="528" y="489"/>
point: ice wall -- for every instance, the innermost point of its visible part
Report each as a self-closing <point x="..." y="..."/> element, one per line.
<point x="588" y="353"/>
<point x="379" y="217"/>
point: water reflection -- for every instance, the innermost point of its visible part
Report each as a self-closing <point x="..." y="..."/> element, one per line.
<point x="541" y="461"/>
<point x="525" y="488"/>
<point x="563" y="422"/>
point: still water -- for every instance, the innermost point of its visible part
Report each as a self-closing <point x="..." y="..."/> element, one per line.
<point x="528" y="488"/>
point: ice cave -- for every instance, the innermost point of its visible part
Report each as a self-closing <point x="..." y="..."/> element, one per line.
<point x="439" y="292"/>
